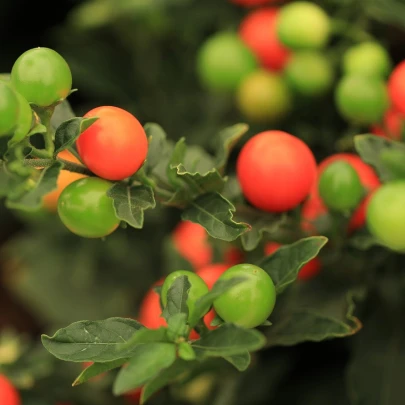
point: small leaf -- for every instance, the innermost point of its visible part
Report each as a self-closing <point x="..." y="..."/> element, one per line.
<point x="240" y="361"/>
<point x="97" y="341"/>
<point x="96" y="369"/>
<point x="283" y="265"/>
<point x="206" y="301"/>
<point x="131" y="202"/>
<point x="63" y="112"/>
<point x="177" y="326"/>
<point x="217" y="321"/>
<point x="266" y="323"/>
<point x="371" y="148"/>
<point x="142" y="336"/>
<point x="228" y="138"/>
<point x="165" y="377"/>
<point x="146" y="363"/>
<point x="229" y="340"/>
<point x="394" y="161"/>
<point x="157" y="145"/>
<point x="215" y="214"/>
<point x="32" y="199"/>
<point x="69" y="131"/>
<point x="177" y="298"/>
<point x="177" y="158"/>
<point x="186" y="351"/>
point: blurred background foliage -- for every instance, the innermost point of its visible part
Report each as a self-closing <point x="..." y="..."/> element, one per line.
<point x="141" y="55"/>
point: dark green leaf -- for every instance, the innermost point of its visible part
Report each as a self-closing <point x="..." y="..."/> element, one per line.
<point x="146" y="363"/>
<point x="97" y="341"/>
<point x="389" y="12"/>
<point x="142" y="336"/>
<point x="394" y="161"/>
<point x="371" y="147"/>
<point x="312" y="312"/>
<point x="186" y="351"/>
<point x="165" y="377"/>
<point x="69" y="131"/>
<point x="228" y="138"/>
<point x="215" y="214"/>
<point x="96" y="369"/>
<point x="177" y="326"/>
<point x="217" y="321"/>
<point x="131" y="202"/>
<point x="240" y="361"/>
<point x="229" y="340"/>
<point x="177" y="298"/>
<point x="31" y="200"/>
<point x="176" y="159"/>
<point x="207" y="300"/>
<point x="157" y="145"/>
<point x="283" y="265"/>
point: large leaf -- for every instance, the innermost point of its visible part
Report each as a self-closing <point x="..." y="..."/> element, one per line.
<point x="283" y="265"/>
<point x="229" y="340"/>
<point x="215" y="214"/>
<point x="146" y="363"/>
<point x="131" y="202"/>
<point x="314" y="312"/>
<point x="165" y="377"/>
<point x="228" y="138"/>
<point x="69" y="131"/>
<point x="177" y="298"/>
<point x="97" y="341"/>
<point x="32" y="199"/>
<point x="371" y="149"/>
<point x="96" y="369"/>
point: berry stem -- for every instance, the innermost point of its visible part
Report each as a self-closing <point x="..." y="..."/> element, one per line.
<point x="70" y="166"/>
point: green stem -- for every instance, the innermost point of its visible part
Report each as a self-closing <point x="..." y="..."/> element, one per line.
<point x="45" y="115"/>
<point x="70" y="166"/>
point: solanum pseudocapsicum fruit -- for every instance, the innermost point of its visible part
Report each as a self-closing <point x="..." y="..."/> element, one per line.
<point x="9" y="109"/>
<point x="86" y="210"/>
<point x="367" y="59"/>
<point x="251" y="3"/>
<point x="362" y="99"/>
<point x="340" y="187"/>
<point x="386" y="215"/>
<point x="8" y="394"/>
<point x="115" y="146"/>
<point x="42" y="76"/>
<point x="258" y="32"/>
<point x="276" y="171"/>
<point x="391" y="127"/>
<point x="396" y="87"/>
<point x="307" y="272"/>
<point x="303" y="25"/>
<point x="25" y="119"/>
<point x="198" y="288"/>
<point x="309" y="73"/>
<point x="249" y="303"/>
<point x="263" y="97"/>
<point x="65" y="178"/>
<point x="223" y="61"/>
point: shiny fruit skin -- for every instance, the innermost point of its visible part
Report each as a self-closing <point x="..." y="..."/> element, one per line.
<point x="115" y="146"/>
<point x="258" y="31"/>
<point x="264" y="97"/>
<point x="249" y="303"/>
<point x="9" y="109"/>
<point x="276" y="171"/>
<point x="393" y="125"/>
<point x="396" y="87"/>
<point x="223" y="61"/>
<point x="42" y="76"/>
<point x="86" y="210"/>
<point x="64" y="179"/>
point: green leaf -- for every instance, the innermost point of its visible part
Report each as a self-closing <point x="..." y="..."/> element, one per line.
<point x="283" y="265"/>
<point x="228" y="138"/>
<point x="177" y="298"/>
<point x="176" y="159"/>
<point x="147" y="362"/>
<point x="206" y="301"/>
<point x="389" y="12"/>
<point x="63" y="112"/>
<point x="313" y="312"/>
<point x="96" y="369"/>
<point x="165" y="377"/>
<point x="260" y="223"/>
<point x="131" y="202"/>
<point x="217" y="321"/>
<point x="38" y="129"/>
<point x="142" y="336"/>
<point x="371" y="149"/>
<point x="157" y="145"/>
<point x="229" y="340"/>
<point x="186" y="351"/>
<point x="177" y="326"/>
<point x="240" y="361"/>
<point x="215" y="214"/>
<point x="67" y="132"/>
<point x="97" y="341"/>
<point x="394" y="161"/>
<point x="31" y="200"/>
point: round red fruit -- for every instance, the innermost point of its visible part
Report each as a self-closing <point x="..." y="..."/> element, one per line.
<point x="396" y="87"/>
<point x="8" y="394"/>
<point x="115" y="146"/>
<point x="258" y="31"/>
<point x="393" y="125"/>
<point x="276" y="171"/>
